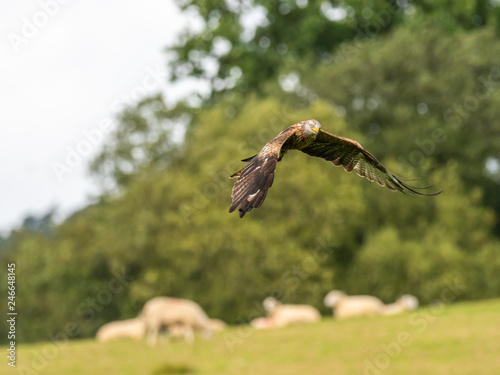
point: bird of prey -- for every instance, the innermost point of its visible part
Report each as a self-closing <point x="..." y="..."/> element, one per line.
<point x="256" y="178"/>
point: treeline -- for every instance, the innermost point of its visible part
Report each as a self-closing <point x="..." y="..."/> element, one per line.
<point x="422" y="96"/>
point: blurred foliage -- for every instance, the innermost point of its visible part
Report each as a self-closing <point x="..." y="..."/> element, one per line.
<point x="145" y="138"/>
<point x="420" y="93"/>
<point x="245" y="45"/>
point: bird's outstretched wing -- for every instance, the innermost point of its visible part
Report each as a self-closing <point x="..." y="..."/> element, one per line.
<point x="256" y="178"/>
<point x="352" y="156"/>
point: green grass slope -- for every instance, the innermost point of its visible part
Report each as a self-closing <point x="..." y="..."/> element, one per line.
<point x="455" y="339"/>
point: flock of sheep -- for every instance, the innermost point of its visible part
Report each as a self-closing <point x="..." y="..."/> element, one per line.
<point x="182" y="317"/>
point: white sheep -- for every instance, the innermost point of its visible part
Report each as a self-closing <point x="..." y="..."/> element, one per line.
<point x="130" y="328"/>
<point x="262" y="323"/>
<point x="180" y="316"/>
<point x="404" y="303"/>
<point x="186" y="331"/>
<point x="283" y="315"/>
<point x="217" y="325"/>
<point x="181" y="331"/>
<point x="345" y="306"/>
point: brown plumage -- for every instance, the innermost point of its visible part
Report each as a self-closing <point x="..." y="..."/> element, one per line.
<point x="256" y="178"/>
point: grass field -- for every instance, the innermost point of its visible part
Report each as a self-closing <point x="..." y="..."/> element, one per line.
<point x="457" y="339"/>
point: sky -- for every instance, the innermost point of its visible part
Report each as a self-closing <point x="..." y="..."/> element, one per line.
<point x="66" y="69"/>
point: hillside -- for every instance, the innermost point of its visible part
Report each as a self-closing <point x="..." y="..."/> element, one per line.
<point x="457" y="339"/>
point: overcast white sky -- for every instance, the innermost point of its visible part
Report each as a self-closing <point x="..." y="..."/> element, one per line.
<point x="65" y="66"/>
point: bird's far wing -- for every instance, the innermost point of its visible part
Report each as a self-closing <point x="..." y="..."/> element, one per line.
<point x="352" y="156"/>
<point x="256" y="178"/>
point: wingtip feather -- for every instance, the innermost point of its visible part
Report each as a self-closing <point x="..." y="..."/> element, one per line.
<point x="413" y="189"/>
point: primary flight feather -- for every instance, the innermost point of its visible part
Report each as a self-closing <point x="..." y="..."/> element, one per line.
<point x="256" y="178"/>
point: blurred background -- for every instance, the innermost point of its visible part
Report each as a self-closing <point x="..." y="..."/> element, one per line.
<point x="122" y="122"/>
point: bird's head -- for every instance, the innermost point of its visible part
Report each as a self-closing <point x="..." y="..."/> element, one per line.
<point x="312" y="126"/>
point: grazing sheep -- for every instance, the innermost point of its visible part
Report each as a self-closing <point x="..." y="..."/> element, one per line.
<point x="186" y="331"/>
<point x="130" y="328"/>
<point x="283" y="315"/>
<point x="179" y="315"/>
<point x="348" y="306"/>
<point x="404" y="303"/>
<point x="182" y="331"/>
<point x="217" y="325"/>
<point x="262" y="323"/>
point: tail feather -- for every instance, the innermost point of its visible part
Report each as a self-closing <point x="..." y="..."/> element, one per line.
<point x="238" y="174"/>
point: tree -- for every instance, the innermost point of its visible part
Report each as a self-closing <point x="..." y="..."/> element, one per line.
<point x="245" y="46"/>
<point x="149" y="136"/>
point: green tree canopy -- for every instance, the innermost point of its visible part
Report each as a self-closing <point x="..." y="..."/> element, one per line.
<point x="245" y="46"/>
